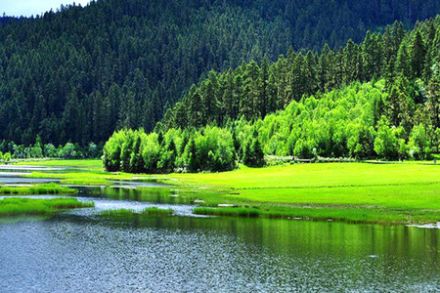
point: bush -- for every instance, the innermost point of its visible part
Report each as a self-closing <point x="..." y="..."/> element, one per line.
<point x="419" y="146"/>
<point x="253" y="155"/>
<point x="93" y="150"/>
<point x="386" y="144"/>
<point x="304" y="149"/>
<point x="7" y="157"/>
<point x="190" y="157"/>
<point x="50" y="151"/>
<point x="69" y="151"/>
<point x="112" y="151"/>
<point x="215" y="150"/>
<point x="150" y="152"/>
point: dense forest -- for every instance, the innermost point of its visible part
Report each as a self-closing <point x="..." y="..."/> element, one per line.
<point x="330" y="110"/>
<point x="253" y="90"/>
<point x="78" y="74"/>
<point x="345" y="123"/>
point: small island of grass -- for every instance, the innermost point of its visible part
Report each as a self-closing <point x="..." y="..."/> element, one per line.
<point x="127" y="213"/>
<point x="36" y="189"/>
<point x="46" y="207"/>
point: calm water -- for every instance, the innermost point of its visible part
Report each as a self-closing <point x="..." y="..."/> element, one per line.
<point x="183" y="254"/>
<point x="81" y="252"/>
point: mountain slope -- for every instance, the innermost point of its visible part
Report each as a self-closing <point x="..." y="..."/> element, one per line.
<point x="78" y="74"/>
<point x="253" y="90"/>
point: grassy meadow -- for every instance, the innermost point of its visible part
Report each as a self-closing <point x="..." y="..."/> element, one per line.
<point x="391" y="185"/>
<point x="359" y="192"/>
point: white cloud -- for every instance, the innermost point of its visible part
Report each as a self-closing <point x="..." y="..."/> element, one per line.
<point x="33" y="7"/>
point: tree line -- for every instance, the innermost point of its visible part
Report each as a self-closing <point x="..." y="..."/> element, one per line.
<point x="329" y="108"/>
<point x="352" y="122"/>
<point x="9" y="150"/>
<point x="78" y="74"/>
<point x="208" y="149"/>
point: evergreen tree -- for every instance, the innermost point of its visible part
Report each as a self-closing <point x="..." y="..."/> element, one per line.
<point x="418" y="55"/>
<point x="117" y="64"/>
<point x="253" y="155"/>
<point x="192" y="161"/>
<point x="402" y="63"/>
<point x="433" y="104"/>
<point x="399" y="103"/>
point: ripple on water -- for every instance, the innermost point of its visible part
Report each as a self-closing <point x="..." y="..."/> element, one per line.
<point x="77" y="252"/>
<point x="180" y="254"/>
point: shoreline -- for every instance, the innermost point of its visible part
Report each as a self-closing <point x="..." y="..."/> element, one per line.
<point x="404" y="193"/>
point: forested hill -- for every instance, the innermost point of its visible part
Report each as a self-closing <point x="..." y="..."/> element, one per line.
<point x="78" y="74"/>
<point x="255" y="89"/>
<point x="395" y="116"/>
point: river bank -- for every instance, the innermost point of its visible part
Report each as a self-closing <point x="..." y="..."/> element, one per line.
<point x="392" y="193"/>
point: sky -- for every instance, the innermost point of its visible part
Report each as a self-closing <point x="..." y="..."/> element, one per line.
<point x="33" y="7"/>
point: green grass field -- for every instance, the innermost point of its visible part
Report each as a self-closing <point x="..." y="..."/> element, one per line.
<point x="370" y="192"/>
<point x="389" y="185"/>
<point x="78" y="172"/>
<point x="87" y="164"/>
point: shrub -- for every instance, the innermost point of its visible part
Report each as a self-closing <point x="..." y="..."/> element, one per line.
<point x="386" y="144"/>
<point x="419" y="146"/>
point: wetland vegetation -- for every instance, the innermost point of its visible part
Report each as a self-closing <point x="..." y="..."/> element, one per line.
<point x="375" y="192"/>
<point x="47" y="188"/>
<point x="375" y="99"/>
<point x="127" y="213"/>
<point x="44" y="207"/>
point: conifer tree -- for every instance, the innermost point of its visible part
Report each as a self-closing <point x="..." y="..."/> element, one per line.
<point x="418" y="55"/>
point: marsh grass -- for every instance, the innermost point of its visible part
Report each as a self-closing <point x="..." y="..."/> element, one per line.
<point x="327" y="213"/>
<point x="36" y="189"/>
<point x="245" y="212"/>
<point x="27" y="206"/>
<point x="154" y="211"/>
<point x="119" y="213"/>
<point x="128" y="214"/>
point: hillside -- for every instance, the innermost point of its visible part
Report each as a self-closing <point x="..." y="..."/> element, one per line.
<point x="345" y="123"/>
<point x="228" y="117"/>
<point x="80" y="73"/>
<point x="255" y="89"/>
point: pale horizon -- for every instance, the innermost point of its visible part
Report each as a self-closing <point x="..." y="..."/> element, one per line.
<point x="28" y="8"/>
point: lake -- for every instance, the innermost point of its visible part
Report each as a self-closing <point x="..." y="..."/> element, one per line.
<point x="78" y="251"/>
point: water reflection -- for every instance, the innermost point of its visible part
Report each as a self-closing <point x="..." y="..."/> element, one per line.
<point x="79" y="251"/>
<point x="175" y="254"/>
<point x="17" y="180"/>
<point x="158" y="194"/>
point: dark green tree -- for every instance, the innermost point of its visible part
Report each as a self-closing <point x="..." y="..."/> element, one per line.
<point x="418" y="55"/>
